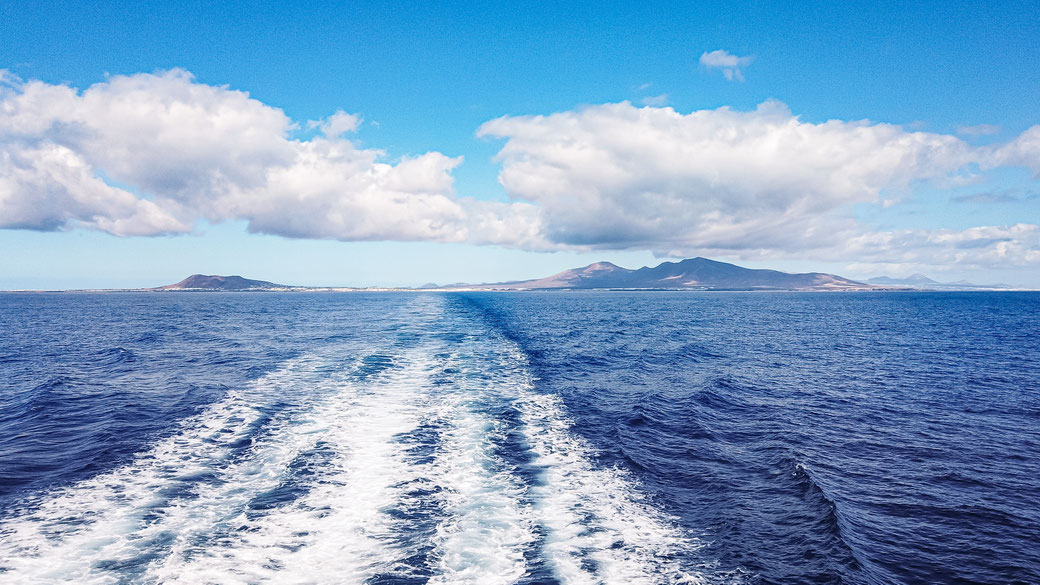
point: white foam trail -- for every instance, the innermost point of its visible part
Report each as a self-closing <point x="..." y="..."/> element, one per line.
<point x="342" y="531"/>
<point x="112" y="519"/>
<point x="599" y="527"/>
<point x="339" y="531"/>
<point x="184" y="500"/>
<point x="596" y="513"/>
<point x="592" y="513"/>
<point x="489" y="530"/>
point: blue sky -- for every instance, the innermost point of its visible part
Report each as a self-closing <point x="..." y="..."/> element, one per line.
<point x="959" y="83"/>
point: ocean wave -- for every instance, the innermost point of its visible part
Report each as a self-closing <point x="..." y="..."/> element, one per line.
<point x="116" y="355"/>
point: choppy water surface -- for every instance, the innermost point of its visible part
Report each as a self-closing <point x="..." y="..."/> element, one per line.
<point x="540" y="438"/>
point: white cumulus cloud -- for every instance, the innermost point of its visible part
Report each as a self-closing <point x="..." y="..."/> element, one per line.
<point x="731" y="65"/>
<point x="153" y="153"/>
<point x="49" y="186"/>
<point x="618" y="175"/>
<point x="751" y="184"/>
<point x="1023" y="151"/>
<point x="337" y="124"/>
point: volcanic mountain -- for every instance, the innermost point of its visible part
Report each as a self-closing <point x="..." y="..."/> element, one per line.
<point x="212" y="282"/>
<point x="694" y="273"/>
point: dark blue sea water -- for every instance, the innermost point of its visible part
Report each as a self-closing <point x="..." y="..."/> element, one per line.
<point x="536" y="438"/>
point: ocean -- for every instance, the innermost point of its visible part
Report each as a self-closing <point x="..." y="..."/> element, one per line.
<point x="533" y="438"/>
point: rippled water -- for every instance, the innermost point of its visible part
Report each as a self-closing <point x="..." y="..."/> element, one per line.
<point x="520" y="438"/>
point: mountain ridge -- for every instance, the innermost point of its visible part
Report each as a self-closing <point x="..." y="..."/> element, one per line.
<point x="692" y="274"/>
<point x="922" y="282"/>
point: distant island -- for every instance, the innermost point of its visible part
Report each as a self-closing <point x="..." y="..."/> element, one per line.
<point x="213" y="282"/>
<point x="691" y="274"/>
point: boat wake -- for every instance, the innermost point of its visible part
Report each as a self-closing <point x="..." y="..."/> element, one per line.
<point x="426" y="456"/>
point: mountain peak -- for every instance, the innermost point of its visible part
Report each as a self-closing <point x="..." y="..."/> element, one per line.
<point x="600" y="266"/>
<point x="918" y="277"/>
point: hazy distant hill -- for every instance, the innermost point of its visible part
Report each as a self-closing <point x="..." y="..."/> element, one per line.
<point x="921" y="281"/>
<point x="212" y="282"/>
<point x="694" y="273"/>
<point x="912" y="280"/>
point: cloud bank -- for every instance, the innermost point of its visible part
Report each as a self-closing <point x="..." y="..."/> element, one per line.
<point x="749" y="184"/>
<point x="152" y="154"/>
